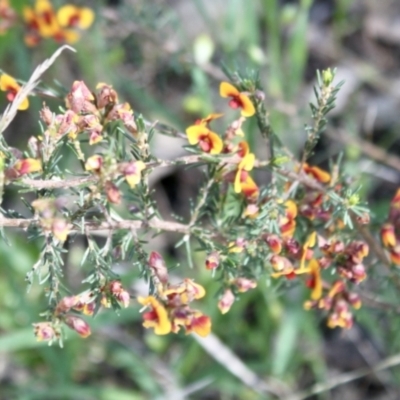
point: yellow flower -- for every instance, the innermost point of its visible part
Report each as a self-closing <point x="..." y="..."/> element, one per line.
<point x="157" y="317"/>
<point x="70" y="16"/>
<point x="238" y="99"/>
<point x="208" y="141"/>
<point x="9" y="85"/>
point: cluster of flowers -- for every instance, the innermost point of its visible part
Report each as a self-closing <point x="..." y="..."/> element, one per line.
<point x="390" y="230"/>
<point x="169" y="310"/>
<point x="210" y="142"/>
<point x="288" y="257"/>
<point x="42" y="21"/>
<point x="68" y="309"/>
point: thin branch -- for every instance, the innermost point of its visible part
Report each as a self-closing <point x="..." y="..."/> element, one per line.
<point x="366" y="147"/>
<point x="94" y="226"/>
<point x="229" y="360"/>
<point x="389" y="362"/>
<point x="11" y="111"/>
<point x="30" y="183"/>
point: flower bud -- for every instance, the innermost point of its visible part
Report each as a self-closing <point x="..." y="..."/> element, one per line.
<point x="112" y="192"/>
<point x="78" y="325"/>
<point x="94" y="163"/>
<point x="212" y="260"/>
<point x="158" y="267"/>
<point x="244" y="284"/>
<point x="44" y="331"/>
<point x="226" y="301"/>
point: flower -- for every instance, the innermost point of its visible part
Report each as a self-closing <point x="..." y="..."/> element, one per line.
<point x="157" y="317"/>
<point x="208" y="141"/>
<point x="78" y="325"/>
<point x="133" y="172"/>
<point x="94" y="163"/>
<point x="158" y="267"/>
<point x="43" y="22"/>
<point x="388" y="235"/>
<point x="317" y="173"/>
<point x="44" y="331"/>
<point x="237" y="99"/>
<point x="210" y="117"/>
<point x="243" y="182"/>
<point x="60" y="229"/>
<point x="244" y="284"/>
<point x="226" y="301"/>
<point x="287" y="223"/>
<point x="315" y="281"/>
<point x="80" y="98"/>
<point x="9" y="85"/>
<point x="198" y="323"/>
<point x="27" y="166"/>
<point x="70" y="16"/>
<point x="212" y="260"/>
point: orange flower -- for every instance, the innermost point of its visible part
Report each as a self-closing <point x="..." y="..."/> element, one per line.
<point x="70" y="16"/>
<point x="9" y="85"/>
<point x="310" y="242"/>
<point x="27" y="166"/>
<point x="32" y="37"/>
<point x="199" y="323"/>
<point x="388" y="235"/>
<point x="237" y="99"/>
<point x="157" y="317"/>
<point x="395" y="254"/>
<point x="210" y="117"/>
<point x="243" y="181"/>
<point x="208" y="141"/>
<point x="287" y="223"/>
<point x="317" y="173"/>
<point x="315" y="281"/>
<point x="187" y="291"/>
<point x="46" y="18"/>
<point x="395" y="203"/>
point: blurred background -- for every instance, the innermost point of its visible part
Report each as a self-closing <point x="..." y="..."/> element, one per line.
<point x="165" y="58"/>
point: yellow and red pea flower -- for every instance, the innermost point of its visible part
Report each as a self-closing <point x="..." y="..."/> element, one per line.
<point x="317" y="173"/>
<point x="27" y="166"/>
<point x="198" y="323"/>
<point x="9" y="85"/>
<point x="43" y="22"/>
<point x="243" y="181"/>
<point x="314" y="282"/>
<point x="394" y="254"/>
<point x="70" y="16"/>
<point x="206" y="121"/>
<point x="237" y="99"/>
<point x="133" y="172"/>
<point x="388" y="235"/>
<point x="208" y="141"/>
<point x="157" y="318"/>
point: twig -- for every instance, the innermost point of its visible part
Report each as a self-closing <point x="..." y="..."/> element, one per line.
<point x="226" y="357"/>
<point x="85" y="180"/>
<point x="28" y="88"/>
<point x="94" y="226"/>
<point x="346" y="378"/>
<point x="367" y="148"/>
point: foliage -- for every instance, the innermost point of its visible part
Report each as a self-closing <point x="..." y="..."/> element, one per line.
<point x="264" y="217"/>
